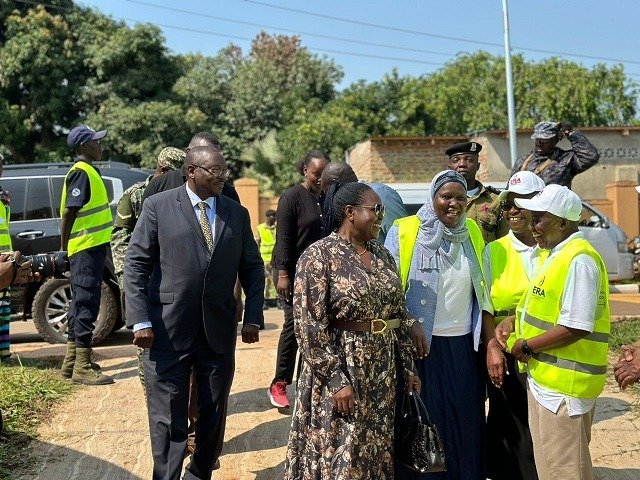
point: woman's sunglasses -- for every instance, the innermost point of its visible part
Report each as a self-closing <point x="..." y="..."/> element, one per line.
<point x="506" y="206"/>
<point x="378" y="208"/>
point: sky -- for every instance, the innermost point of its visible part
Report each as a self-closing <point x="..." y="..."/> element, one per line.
<point x="571" y="29"/>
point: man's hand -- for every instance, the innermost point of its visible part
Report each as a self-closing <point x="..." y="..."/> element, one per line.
<point x="284" y="287"/>
<point x="419" y="340"/>
<point x="250" y="334"/>
<point x="565" y="128"/>
<point x="143" y="338"/>
<point x="11" y="271"/>
<point x="627" y="370"/>
<point x="503" y="330"/>
<point x="517" y="352"/>
<point x="496" y="363"/>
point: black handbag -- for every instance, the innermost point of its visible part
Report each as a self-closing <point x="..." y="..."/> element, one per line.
<point x="417" y="441"/>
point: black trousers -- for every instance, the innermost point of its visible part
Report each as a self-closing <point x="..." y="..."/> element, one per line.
<point x="287" y="346"/>
<point x="509" y="446"/>
<point x="86" y="269"/>
<point x="167" y="382"/>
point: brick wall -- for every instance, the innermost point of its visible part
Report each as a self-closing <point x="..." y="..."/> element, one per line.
<point x="401" y="159"/>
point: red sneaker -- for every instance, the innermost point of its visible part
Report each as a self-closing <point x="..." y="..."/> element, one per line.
<point x="278" y="395"/>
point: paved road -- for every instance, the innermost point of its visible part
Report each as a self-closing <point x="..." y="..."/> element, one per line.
<point x="101" y="432"/>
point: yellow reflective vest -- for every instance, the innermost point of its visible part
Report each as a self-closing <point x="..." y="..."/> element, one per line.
<point x="94" y="222"/>
<point x="267" y="242"/>
<point x="577" y="370"/>
<point x="407" y="234"/>
<point x="509" y="278"/>
<point x="5" y="235"/>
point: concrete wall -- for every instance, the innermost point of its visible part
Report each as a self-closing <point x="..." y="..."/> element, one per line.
<point x="619" y="149"/>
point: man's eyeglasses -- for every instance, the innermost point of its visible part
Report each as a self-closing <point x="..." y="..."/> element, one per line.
<point x="215" y="171"/>
<point x="378" y="208"/>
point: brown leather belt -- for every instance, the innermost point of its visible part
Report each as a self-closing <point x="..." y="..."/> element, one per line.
<point x="374" y="326"/>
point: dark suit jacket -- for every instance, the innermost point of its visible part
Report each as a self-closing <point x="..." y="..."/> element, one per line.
<point x="171" y="282"/>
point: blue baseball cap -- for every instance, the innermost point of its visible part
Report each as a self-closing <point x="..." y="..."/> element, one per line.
<point x="82" y="134"/>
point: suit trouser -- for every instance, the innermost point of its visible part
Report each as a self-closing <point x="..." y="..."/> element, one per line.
<point x="560" y="442"/>
<point x="86" y="269"/>
<point x="287" y="346"/>
<point x="167" y="381"/>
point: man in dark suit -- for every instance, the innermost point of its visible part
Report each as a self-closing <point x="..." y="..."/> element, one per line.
<point x="186" y="251"/>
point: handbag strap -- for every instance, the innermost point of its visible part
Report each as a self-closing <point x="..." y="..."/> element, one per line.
<point x="421" y="410"/>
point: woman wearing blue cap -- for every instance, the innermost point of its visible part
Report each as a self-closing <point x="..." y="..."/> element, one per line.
<point x="438" y="252"/>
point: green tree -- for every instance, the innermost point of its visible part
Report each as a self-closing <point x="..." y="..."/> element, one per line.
<point x="38" y="76"/>
<point x="137" y="132"/>
<point x="272" y="83"/>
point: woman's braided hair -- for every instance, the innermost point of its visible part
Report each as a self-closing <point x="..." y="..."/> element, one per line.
<point x="338" y="196"/>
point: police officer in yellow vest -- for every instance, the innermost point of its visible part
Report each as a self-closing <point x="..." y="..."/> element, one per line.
<point x="561" y="335"/>
<point x="84" y="232"/>
<point x="266" y="240"/>
<point x="507" y="270"/>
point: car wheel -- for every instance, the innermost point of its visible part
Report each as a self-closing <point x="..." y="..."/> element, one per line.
<point x="51" y="304"/>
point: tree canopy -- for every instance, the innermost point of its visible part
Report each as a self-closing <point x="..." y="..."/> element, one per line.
<point x="63" y="65"/>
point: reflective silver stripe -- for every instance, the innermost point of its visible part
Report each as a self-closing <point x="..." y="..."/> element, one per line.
<point x="572" y="365"/>
<point x="504" y="313"/>
<point x="599" y="337"/>
<point x="93" y="210"/>
<point x="5" y="248"/>
<point x="4" y="231"/>
<point x="81" y="233"/>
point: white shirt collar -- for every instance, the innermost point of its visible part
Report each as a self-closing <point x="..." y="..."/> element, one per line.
<point x="195" y="199"/>
<point x="518" y="245"/>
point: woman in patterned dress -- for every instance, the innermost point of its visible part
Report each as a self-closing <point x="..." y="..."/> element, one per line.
<point x="342" y="427"/>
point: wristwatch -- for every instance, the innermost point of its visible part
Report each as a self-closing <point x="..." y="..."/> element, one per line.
<point x="526" y="349"/>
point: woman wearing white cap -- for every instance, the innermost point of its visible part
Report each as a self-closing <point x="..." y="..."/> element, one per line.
<point x="507" y="270"/>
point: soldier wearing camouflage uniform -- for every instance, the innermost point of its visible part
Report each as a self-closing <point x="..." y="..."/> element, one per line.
<point x="553" y="164"/>
<point x="130" y="206"/>
<point x="482" y="202"/>
<point x="129" y="209"/>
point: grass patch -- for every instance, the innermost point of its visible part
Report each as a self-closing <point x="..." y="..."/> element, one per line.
<point x="28" y="389"/>
<point x="624" y="332"/>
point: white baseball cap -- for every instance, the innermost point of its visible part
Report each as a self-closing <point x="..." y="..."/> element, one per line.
<point x="522" y="183"/>
<point x="555" y="199"/>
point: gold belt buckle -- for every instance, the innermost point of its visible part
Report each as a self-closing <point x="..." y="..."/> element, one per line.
<point x="373" y="326"/>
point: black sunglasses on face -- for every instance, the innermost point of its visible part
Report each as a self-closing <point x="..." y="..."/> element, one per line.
<point x="378" y="208"/>
<point x="506" y="206"/>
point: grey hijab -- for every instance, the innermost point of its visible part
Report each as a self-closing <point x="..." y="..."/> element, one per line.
<point x="433" y="235"/>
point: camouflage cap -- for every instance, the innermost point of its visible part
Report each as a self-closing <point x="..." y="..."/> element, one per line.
<point x="171" y="157"/>
<point x="545" y="130"/>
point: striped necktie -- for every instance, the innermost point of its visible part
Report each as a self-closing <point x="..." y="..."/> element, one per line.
<point x="205" y="225"/>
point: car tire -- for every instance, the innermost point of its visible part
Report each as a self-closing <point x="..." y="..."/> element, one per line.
<point x="50" y="306"/>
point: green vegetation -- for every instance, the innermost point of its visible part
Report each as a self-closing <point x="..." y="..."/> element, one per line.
<point x="624" y="332"/>
<point x="28" y="390"/>
<point x="63" y="65"/>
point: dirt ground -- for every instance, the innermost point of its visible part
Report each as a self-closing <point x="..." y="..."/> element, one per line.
<point x="101" y="433"/>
